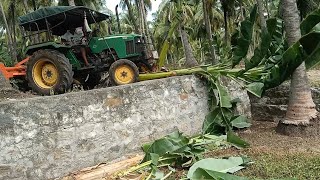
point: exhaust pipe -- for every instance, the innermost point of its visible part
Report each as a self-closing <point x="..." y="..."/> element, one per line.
<point x="118" y="20"/>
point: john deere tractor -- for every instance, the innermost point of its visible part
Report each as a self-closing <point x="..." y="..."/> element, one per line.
<point x="55" y="64"/>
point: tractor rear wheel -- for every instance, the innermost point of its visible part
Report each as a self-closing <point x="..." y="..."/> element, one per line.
<point x="123" y="72"/>
<point x="49" y="72"/>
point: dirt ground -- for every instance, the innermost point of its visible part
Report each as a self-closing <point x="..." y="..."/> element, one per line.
<point x="276" y="156"/>
<point x="273" y="156"/>
<point x="262" y="135"/>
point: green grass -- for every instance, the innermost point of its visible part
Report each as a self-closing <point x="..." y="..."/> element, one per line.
<point x="268" y="165"/>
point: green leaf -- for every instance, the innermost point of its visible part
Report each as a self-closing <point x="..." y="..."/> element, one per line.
<point x="314" y="59"/>
<point x="255" y="88"/>
<point x="230" y="165"/>
<point x="240" y="122"/>
<point x="259" y="52"/>
<point x="168" y="144"/>
<point x="158" y="175"/>
<point x="224" y="98"/>
<point x="310" y="22"/>
<point x="163" y="53"/>
<point x="244" y="41"/>
<point x="236" y="140"/>
<point x="201" y="173"/>
<point x="154" y="158"/>
<point x="213" y="118"/>
<point x="165" y="46"/>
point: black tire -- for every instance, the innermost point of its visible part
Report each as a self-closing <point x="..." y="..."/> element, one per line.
<point x="63" y="69"/>
<point x="130" y="66"/>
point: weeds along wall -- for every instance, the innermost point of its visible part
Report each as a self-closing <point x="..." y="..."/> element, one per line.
<point x="49" y="137"/>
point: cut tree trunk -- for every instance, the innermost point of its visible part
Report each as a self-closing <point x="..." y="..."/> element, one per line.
<point x="190" y="60"/>
<point x="104" y="171"/>
<point x="301" y="112"/>
<point x="209" y="31"/>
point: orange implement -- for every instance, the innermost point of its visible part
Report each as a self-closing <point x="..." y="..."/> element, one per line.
<point x="17" y="70"/>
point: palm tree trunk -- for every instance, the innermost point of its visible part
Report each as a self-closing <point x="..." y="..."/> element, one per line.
<point x="130" y="12"/>
<point x="209" y="32"/>
<point x="71" y="3"/>
<point x="143" y="17"/>
<point x="261" y="14"/>
<point x="190" y="60"/>
<point x="145" y="24"/>
<point x="301" y="108"/>
<point x="7" y="30"/>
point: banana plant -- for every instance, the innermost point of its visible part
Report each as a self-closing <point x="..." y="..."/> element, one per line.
<point x="272" y="64"/>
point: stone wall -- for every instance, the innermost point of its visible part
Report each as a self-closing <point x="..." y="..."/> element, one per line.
<point x="49" y="137"/>
<point x="273" y="105"/>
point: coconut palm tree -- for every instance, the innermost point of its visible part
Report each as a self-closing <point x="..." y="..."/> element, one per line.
<point x="301" y="108"/>
<point x="131" y="14"/>
<point x="177" y="14"/>
<point x="207" y="5"/>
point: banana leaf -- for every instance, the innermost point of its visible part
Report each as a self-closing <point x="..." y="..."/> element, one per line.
<point x="306" y="49"/>
<point x="268" y="36"/>
<point x="216" y="168"/>
<point x="166" y="45"/>
<point x="245" y="39"/>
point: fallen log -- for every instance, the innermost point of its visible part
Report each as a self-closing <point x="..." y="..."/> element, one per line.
<point x="104" y="171"/>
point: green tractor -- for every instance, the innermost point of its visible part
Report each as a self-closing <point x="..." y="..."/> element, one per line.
<point x="57" y="61"/>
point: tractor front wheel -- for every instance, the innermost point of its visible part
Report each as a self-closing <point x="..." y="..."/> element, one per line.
<point x="123" y="72"/>
<point x="49" y="72"/>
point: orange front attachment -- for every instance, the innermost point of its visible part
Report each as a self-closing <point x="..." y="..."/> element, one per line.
<point x="17" y="70"/>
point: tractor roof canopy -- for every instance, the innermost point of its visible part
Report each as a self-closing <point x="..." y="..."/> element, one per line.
<point x="60" y="18"/>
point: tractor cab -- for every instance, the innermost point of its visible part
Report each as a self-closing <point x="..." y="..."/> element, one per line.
<point x="62" y="36"/>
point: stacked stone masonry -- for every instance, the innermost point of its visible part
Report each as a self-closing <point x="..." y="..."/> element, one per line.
<point x="49" y="137"/>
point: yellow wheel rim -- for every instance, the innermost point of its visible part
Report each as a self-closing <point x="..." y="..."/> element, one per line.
<point x="45" y="74"/>
<point x="124" y="74"/>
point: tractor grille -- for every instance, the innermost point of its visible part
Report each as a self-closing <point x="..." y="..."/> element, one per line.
<point x="130" y="47"/>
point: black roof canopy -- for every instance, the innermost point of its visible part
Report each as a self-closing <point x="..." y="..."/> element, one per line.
<point x="60" y="18"/>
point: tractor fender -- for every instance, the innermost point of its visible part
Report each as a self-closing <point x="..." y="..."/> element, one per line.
<point x="48" y="45"/>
